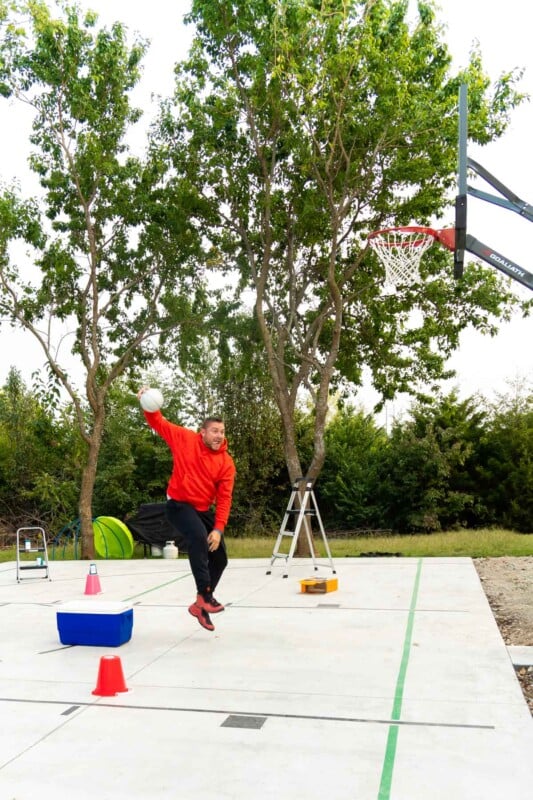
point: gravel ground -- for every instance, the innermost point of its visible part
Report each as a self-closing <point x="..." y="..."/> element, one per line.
<point x="508" y="585"/>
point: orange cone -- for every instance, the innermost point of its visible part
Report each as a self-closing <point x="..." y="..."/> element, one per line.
<point x="110" y="677"/>
<point x="92" y="583"/>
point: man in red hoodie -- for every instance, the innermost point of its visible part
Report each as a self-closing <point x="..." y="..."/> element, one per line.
<point x="203" y="475"/>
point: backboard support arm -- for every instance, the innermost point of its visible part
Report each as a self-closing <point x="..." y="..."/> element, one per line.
<point x="499" y="261"/>
<point x="510" y="200"/>
<point x="447" y="237"/>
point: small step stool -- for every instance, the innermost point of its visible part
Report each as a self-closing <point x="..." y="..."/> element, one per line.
<point x="302" y="508"/>
<point x="29" y="542"/>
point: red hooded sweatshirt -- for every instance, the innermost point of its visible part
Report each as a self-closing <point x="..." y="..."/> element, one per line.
<point x="200" y="476"/>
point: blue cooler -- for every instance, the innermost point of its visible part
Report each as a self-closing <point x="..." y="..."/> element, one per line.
<point x="95" y="623"/>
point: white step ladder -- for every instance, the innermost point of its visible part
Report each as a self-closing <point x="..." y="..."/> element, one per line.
<point x="29" y="542"/>
<point x="303" y="509"/>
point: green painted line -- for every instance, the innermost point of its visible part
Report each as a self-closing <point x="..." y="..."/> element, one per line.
<point x="155" y="588"/>
<point x="392" y="738"/>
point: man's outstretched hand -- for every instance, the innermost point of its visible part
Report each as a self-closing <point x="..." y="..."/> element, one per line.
<point x="213" y="540"/>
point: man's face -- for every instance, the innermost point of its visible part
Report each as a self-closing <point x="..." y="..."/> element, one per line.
<point x="213" y="435"/>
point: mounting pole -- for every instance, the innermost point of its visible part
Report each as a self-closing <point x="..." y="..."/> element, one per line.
<point x="460" y="200"/>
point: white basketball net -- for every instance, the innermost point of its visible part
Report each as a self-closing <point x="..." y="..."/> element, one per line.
<point x="400" y="251"/>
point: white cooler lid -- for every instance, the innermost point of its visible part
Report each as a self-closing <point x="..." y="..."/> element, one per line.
<point x="93" y="607"/>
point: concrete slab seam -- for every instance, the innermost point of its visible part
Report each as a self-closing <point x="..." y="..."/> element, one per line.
<point x="265" y="714"/>
<point x="155" y="588"/>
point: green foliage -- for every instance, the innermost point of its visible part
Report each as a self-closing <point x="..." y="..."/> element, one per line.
<point x="228" y="378"/>
<point x="428" y="479"/>
<point x="111" y="264"/>
<point x="347" y="489"/>
<point x="485" y="543"/>
<point x="256" y="443"/>
<point x="39" y="460"/>
<point x="449" y="464"/>
<point x="505" y="465"/>
<point x="117" y="261"/>
<point x="134" y="465"/>
<point x="481" y="543"/>
<point x="296" y="128"/>
<point x="304" y="126"/>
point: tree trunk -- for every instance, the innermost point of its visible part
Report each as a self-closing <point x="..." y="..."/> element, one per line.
<point x="87" y="485"/>
<point x="294" y="468"/>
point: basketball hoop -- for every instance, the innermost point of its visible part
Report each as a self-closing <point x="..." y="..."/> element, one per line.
<point x="400" y="251"/>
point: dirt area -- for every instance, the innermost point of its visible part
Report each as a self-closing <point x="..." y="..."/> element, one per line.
<point x="508" y="585"/>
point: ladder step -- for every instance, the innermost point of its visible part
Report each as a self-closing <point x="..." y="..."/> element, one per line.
<point x="34" y="538"/>
<point x="304" y="510"/>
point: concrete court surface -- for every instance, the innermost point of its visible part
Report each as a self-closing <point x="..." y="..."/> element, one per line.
<point x="397" y="685"/>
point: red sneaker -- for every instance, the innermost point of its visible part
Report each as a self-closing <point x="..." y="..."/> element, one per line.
<point x="206" y="601"/>
<point x="202" y="616"/>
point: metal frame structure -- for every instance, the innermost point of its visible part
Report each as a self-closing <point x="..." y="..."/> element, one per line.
<point x="506" y="199"/>
<point x="40" y="546"/>
<point x="302" y="509"/>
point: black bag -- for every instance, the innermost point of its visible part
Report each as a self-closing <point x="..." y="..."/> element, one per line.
<point x="151" y="527"/>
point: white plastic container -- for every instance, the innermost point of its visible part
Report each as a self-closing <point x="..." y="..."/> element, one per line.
<point x="170" y="550"/>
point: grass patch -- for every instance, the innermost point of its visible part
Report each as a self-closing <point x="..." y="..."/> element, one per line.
<point x="486" y="543"/>
<point x="483" y="543"/>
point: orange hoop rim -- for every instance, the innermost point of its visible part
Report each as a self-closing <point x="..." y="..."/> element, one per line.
<point x="445" y="236"/>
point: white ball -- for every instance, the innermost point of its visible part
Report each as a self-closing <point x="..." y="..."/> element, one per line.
<point x="151" y="400"/>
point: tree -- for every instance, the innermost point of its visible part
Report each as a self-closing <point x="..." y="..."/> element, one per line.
<point x="245" y="397"/>
<point x="228" y="377"/>
<point x="306" y="125"/>
<point x="505" y="468"/>
<point x="111" y="265"/>
<point x="428" y="475"/>
<point x="39" y="468"/>
<point x="349" y="483"/>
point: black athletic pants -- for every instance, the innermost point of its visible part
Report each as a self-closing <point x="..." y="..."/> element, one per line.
<point x="207" y="567"/>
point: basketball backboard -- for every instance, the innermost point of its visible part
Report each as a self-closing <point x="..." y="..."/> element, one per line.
<point x="400" y="249"/>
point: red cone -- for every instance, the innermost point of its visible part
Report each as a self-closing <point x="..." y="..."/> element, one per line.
<point x="110" y="677"/>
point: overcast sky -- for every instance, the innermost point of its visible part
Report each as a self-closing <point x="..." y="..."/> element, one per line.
<point x="484" y="365"/>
